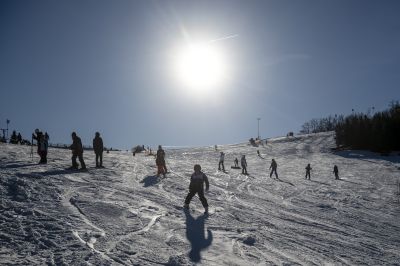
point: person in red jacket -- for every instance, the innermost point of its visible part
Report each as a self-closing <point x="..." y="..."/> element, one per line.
<point x="197" y="181"/>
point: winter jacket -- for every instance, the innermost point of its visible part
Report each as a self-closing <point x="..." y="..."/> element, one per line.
<point x="243" y="162"/>
<point x="197" y="180"/>
<point x="274" y="165"/>
<point x="76" y="146"/>
<point x="160" y="158"/>
<point x="98" y="145"/>
<point x="42" y="141"/>
<point x="222" y="157"/>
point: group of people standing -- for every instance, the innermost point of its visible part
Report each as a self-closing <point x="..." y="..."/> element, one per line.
<point x="308" y="168"/>
<point x="15" y="138"/>
<point x="76" y="147"/>
<point x="273" y="167"/>
<point x="243" y="163"/>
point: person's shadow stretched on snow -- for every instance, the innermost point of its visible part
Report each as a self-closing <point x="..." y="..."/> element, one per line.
<point x="196" y="235"/>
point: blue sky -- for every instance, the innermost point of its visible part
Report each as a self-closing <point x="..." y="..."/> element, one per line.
<point x="105" y="66"/>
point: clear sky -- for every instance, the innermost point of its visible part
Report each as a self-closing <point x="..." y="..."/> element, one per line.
<point x="110" y="66"/>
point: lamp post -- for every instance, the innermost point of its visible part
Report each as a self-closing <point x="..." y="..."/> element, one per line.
<point x="8" y="122"/>
<point x="258" y="127"/>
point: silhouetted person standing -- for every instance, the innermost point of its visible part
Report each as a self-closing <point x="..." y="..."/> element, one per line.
<point x="273" y="166"/>
<point x="42" y="145"/>
<point x="236" y="161"/>
<point x="160" y="161"/>
<point x="243" y="162"/>
<point x="336" y="172"/>
<point x="197" y="181"/>
<point x="77" y="151"/>
<point x="221" y="161"/>
<point x="98" y="149"/>
<point x="308" y="171"/>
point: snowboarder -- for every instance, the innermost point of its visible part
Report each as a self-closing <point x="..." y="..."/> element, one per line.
<point x="236" y="161"/>
<point x="42" y="145"/>
<point x="221" y="161"/>
<point x="160" y="161"/>
<point x="308" y="171"/>
<point x="243" y="162"/>
<point x="273" y="166"/>
<point x="98" y="149"/>
<point x="197" y="181"/>
<point x="336" y="172"/>
<point x="77" y="151"/>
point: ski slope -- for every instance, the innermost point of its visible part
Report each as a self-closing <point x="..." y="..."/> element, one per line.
<point x="123" y="215"/>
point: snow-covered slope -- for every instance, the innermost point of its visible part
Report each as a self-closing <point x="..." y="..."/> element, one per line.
<point x="123" y="215"/>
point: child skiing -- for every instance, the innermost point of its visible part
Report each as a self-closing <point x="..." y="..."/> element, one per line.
<point x="308" y="171"/>
<point x="236" y="161"/>
<point x="273" y="166"/>
<point x="336" y="172"/>
<point x="243" y="162"/>
<point x="221" y="161"/>
<point x="196" y="186"/>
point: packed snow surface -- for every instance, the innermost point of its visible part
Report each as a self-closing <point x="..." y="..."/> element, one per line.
<point x="124" y="215"/>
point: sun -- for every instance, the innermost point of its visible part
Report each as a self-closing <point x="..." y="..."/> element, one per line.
<point x="200" y="67"/>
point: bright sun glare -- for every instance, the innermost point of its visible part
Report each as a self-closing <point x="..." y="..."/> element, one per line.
<point x="200" y="67"/>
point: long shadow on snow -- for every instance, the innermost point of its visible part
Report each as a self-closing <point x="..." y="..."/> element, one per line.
<point x="286" y="182"/>
<point x="49" y="173"/>
<point x="195" y="234"/>
<point x="16" y="165"/>
<point x="150" y="180"/>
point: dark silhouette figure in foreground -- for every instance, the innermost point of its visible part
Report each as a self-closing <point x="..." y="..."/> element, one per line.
<point x="308" y="171"/>
<point x="98" y="149"/>
<point x="197" y="181"/>
<point x="273" y="166"/>
<point x="336" y="172"/>
<point x="77" y="151"/>
<point x="243" y="162"/>
<point x="196" y="235"/>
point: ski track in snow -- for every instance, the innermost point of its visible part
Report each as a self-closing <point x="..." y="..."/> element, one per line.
<point x="125" y="215"/>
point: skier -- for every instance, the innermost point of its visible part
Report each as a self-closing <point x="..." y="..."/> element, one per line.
<point x="42" y="145"/>
<point x="221" y="161"/>
<point x="243" y="162"/>
<point x="77" y="151"/>
<point x="160" y="161"/>
<point x="336" y="172"/>
<point x="273" y="166"/>
<point x="98" y="149"/>
<point x="236" y="161"/>
<point x="196" y="186"/>
<point x="308" y="170"/>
